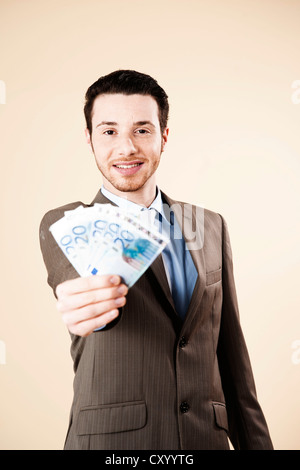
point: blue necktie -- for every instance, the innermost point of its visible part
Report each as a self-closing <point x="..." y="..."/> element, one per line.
<point x="181" y="269"/>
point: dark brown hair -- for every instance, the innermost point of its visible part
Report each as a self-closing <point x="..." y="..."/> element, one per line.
<point x="127" y="82"/>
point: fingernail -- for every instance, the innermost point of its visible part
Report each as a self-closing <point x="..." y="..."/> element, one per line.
<point x="122" y="289"/>
<point x="115" y="280"/>
<point x="114" y="313"/>
<point x="119" y="301"/>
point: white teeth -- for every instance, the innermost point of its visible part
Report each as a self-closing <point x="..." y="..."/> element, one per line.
<point x="127" y="166"/>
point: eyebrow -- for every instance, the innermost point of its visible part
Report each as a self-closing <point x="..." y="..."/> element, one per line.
<point x="113" y="123"/>
<point x="143" y="123"/>
<point x="107" y="123"/>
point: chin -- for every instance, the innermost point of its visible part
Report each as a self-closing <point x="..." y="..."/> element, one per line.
<point x="127" y="188"/>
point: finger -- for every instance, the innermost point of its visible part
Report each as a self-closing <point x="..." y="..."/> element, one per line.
<point x="89" y="326"/>
<point x="91" y="311"/>
<point x="76" y="301"/>
<point x="82" y="284"/>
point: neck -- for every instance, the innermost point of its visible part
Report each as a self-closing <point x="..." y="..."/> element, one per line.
<point x="143" y="196"/>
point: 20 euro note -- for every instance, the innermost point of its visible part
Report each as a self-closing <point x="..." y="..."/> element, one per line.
<point x="133" y="251"/>
<point x="79" y="234"/>
<point x="103" y="239"/>
<point x="72" y="236"/>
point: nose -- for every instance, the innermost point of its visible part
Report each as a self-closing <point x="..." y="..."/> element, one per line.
<point x="126" y="146"/>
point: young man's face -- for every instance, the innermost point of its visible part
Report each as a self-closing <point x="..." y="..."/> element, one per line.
<point x="126" y="140"/>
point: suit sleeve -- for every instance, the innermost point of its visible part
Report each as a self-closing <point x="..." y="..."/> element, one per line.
<point x="247" y="425"/>
<point x="58" y="267"/>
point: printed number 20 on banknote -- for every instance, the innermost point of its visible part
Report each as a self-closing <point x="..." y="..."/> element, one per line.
<point x="102" y="239"/>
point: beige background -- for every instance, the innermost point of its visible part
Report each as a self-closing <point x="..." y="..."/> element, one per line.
<point x="228" y="67"/>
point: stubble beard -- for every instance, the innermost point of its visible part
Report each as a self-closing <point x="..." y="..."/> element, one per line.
<point x="128" y="184"/>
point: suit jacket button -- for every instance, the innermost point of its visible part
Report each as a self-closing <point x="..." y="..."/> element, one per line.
<point x="183" y="342"/>
<point x="184" y="407"/>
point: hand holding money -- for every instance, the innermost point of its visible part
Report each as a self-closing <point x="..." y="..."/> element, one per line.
<point x="103" y="239"/>
<point x="105" y="245"/>
<point x="89" y="303"/>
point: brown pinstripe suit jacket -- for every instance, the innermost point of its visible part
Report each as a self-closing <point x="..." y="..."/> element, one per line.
<point x="151" y="381"/>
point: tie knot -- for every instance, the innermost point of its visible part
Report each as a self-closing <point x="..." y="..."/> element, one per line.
<point x="151" y="217"/>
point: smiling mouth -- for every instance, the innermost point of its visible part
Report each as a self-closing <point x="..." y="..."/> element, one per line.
<point x="127" y="165"/>
<point x="128" y="169"/>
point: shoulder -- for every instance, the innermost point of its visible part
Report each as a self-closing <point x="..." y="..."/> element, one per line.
<point x="209" y="217"/>
<point x="53" y="215"/>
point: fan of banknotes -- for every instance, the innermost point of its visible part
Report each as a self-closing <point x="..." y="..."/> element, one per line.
<point x="104" y="239"/>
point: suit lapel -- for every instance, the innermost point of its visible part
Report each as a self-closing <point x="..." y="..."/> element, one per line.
<point x="187" y="218"/>
<point x="184" y="213"/>
<point x="101" y="199"/>
<point x="159" y="272"/>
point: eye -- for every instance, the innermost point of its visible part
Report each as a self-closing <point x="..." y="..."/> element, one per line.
<point x="142" y="131"/>
<point x="109" y="132"/>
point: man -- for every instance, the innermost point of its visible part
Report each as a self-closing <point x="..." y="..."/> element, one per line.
<point x="162" y="365"/>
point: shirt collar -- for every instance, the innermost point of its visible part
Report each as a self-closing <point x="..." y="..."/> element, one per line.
<point x="124" y="203"/>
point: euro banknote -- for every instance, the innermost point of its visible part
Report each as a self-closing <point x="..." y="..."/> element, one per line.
<point x="105" y="239"/>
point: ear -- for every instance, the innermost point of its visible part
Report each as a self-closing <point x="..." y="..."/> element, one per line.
<point x="164" y="138"/>
<point x="89" y="139"/>
<point x="87" y="136"/>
